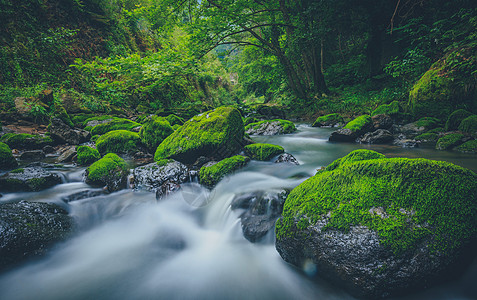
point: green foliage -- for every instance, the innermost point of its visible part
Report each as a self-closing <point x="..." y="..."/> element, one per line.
<point x="25" y="141"/>
<point x="360" y="123"/>
<point x="175" y="120"/>
<point x="469" y="125"/>
<point x="469" y="147"/>
<point x="417" y="196"/>
<point x="86" y="155"/>
<point x="263" y="152"/>
<point x="216" y="133"/>
<point x="154" y="131"/>
<point x="7" y="161"/>
<point x="60" y="113"/>
<point x="104" y="169"/>
<point x="391" y="109"/>
<point x="455" y="118"/>
<point x="328" y="120"/>
<point x="449" y="141"/>
<point x="118" y="141"/>
<point x="114" y="124"/>
<point x="211" y="175"/>
<point x="410" y="67"/>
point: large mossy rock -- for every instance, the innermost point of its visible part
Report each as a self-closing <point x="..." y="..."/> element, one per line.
<point x="382" y="226"/>
<point x="392" y="109"/>
<point x="30" y="229"/>
<point x="114" y="124"/>
<point x="270" y="127"/>
<point x="449" y="141"/>
<point x="118" y="141"/>
<point x="154" y="131"/>
<point x="455" y="118"/>
<point x="217" y="133"/>
<point x="261" y="151"/>
<point x="468" y="147"/>
<point x="26" y="141"/>
<point x="210" y="175"/>
<point x="330" y="120"/>
<point x="29" y="179"/>
<point x="353" y="129"/>
<point x="7" y="161"/>
<point x="86" y="155"/>
<point x="469" y="125"/>
<point x="110" y="171"/>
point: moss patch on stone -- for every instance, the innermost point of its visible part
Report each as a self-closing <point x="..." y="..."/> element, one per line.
<point x="263" y="152"/>
<point x="211" y="175"/>
<point x="250" y="120"/>
<point x="359" y="123"/>
<point x="427" y="137"/>
<point x="7" y="161"/>
<point x="60" y="112"/>
<point x="391" y="109"/>
<point x="468" y="147"/>
<point x="118" y="141"/>
<point x="86" y="155"/>
<point x="428" y="122"/>
<point x="328" y="120"/>
<point x="288" y="126"/>
<point x="110" y="166"/>
<point x="216" y="133"/>
<point x="115" y="124"/>
<point x="154" y="131"/>
<point x="455" y="118"/>
<point x="449" y="141"/>
<point x="356" y="155"/>
<point x="26" y="141"/>
<point x="420" y="200"/>
<point x="175" y="120"/>
<point x="469" y="125"/>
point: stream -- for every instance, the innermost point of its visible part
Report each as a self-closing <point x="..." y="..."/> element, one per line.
<point x="190" y="244"/>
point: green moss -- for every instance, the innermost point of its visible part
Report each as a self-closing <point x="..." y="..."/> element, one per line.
<point x="216" y="133"/>
<point x="449" y="141"/>
<point x="360" y="123"/>
<point x="175" y="127"/>
<point x="328" y="120"/>
<point x="86" y="155"/>
<point x="469" y="146"/>
<point x="25" y="141"/>
<point x="437" y="130"/>
<point x="391" y="109"/>
<point x="428" y="122"/>
<point x="17" y="171"/>
<point x="436" y="93"/>
<point x="36" y="184"/>
<point x="94" y="138"/>
<point x="469" y="125"/>
<point x="115" y="124"/>
<point x="78" y="119"/>
<point x="260" y="151"/>
<point x="456" y="118"/>
<point x="7" y="161"/>
<point x="427" y="137"/>
<point x="356" y="155"/>
<point x="250" y="120"/>
<point x="118" y="141"/>
<point x="163" y="162"/>
<point x="421" y="200"/>
<point x="60" y="113"/>
<point x="154" y="131"/>
<point x="97" y="118"/>
<point x="175" y="120"/>
<point x="107" y="167"/>
<point x="211" y="175"/>
<point x="288" y="126"/>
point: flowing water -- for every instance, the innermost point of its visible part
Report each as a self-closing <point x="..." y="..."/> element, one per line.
<point x="190" y="245"/>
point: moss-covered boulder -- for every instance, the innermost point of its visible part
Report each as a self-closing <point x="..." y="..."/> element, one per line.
<point x="356" y="155"/>
<point x="264" y="152"/>
<point x="29" y="179"/>
<point x="210" y="175"/>
<point x="468" y="147"/>
<point x="110" y="171"/>
<point x="331" y="120"/>
<point x="250" y="120"/>
<point x="449" y="141"/>
<point x="455" y="118"/>
<point x="114" y="124"/>
<point x="469" y="125"/>
<point x="154" y="131"/>
<point x="392" y="109"/>
<point x="270" y="127"/>
<point x="86" y="155"/>
<point x="217" y="133"/>
<point x="427" y="137"/>
<point x="380" y="227"/>
<point x="118" y="141"/>
<point x="7" y="161"/>
<point x="353" y="129"/>
<point x="60" y="112"/>
<point x="26" y="141"/>
<point x="175" y="120"/>
<point x="89" y="123"/>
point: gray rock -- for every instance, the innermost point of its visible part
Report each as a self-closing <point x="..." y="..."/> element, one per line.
<point x="83" y="195"/>
<point x="67" y="154"/>
<point x="401" y="141"/>
<point x="343" y="135"/>
<point x="62" y="133"/>
<point x="48" y="149"/>
<point x="382" y="121"/>
<point x="267" y="128"/>
<point x="97" y="122"/>
<point x="30" y="229"/>
<point x="380" y="136"/>
<point x="286" y="158"/>
<point x="33" y="155"/>
<point x="29" y="179"/>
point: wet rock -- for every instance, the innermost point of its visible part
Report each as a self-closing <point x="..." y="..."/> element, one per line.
<point x="67" y="154"/>
<point x="401" y="141"/>
<point x="63" y="133"/>
<point x="353" y="130"/>
<point x="343" y="135"/>
<point x="270" y="127"/>
<point x="30" y="229"/>
<point x="382" y="121"/>
<point x="286" y="158"/>
<point x="110" y="171"/>
<point x="380" y="136"/>
<point x="167" y="188"/>
<point x="29" y="179"/>
<point x="48" y="149"/>
<point x="83" y="195"/>
<point x="33" y="155"/>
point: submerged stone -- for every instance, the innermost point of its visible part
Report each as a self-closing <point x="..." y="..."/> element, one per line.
<point x="29" y="179"/>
